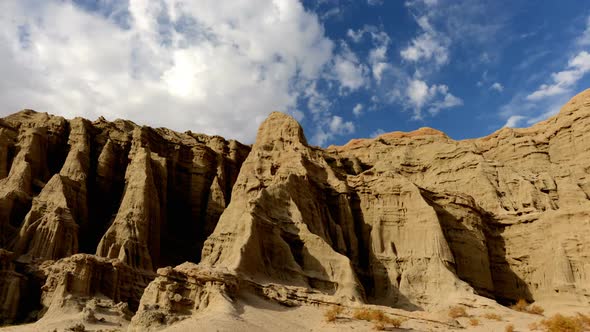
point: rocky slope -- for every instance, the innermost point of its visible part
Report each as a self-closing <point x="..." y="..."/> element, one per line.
<point x="418" y="221"/>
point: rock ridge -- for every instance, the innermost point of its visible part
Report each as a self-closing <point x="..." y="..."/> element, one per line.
<point x="168" y="225"/>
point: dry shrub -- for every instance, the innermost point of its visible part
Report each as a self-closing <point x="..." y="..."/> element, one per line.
<point x="520" y="305"/>
<point x="561" y="323"/>
<point x="331" y="314"/>
<point x="377" y="316"/>
<point x="457" y="311"/>
<point x="379" y="326"/>
<point x="369" y="315"/>
<point x="535" y="309"/>
<point x="492" y="316"/>
<point x="585" y="319"/>
<point x="395" y="322"/>
<point x="534" y="326"/>
<point x="509" y="328"/>
<point x="473" y="321"/>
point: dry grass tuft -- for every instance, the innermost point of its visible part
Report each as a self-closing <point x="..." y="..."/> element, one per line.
<point x="369" y="315"/>
<point x="534" y="326"/>
<point x="520" y="305"/>
<point x="523" y="306"/>
<point x="585" y="319"/>
<point x="492" y="316"/>
<point x="378" y="326"/>
<point x="457" y="311"/>
<point x="332" y="314"/>
<point x="561" y="323"/>
<point x="473" y="321"/>
<point x="381" y="319"/>
<point x="535" y="309"/>
<point x="509" y="328"/>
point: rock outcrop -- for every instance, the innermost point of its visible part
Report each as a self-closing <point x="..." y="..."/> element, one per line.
<point x="105" y="210"/>
<point x="142" y="198"/>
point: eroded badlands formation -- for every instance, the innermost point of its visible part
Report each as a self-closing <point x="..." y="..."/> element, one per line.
<point x="154" y="227"/>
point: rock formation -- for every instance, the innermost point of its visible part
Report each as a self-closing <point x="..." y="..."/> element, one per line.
<point x="142" y="198"/>
<point x="408" y="220"/>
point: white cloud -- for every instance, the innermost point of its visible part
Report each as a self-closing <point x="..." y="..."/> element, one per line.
<point x="340" y="127"/>
<point x="358" y="110"/>
<point x="335" y="125"/>
<point x="377" y="133"/>
<point x="357" y="35"/>
<point x="377" y="57"/>
<point x="429" y="45"/>
<point x="212" y="66"/>
<point x="349" y="71"/>
<point x="497" y="86"/>
<point x="584" y="39"/>
<point x="436" y="97"/>
<point x="564" y="80"/>
<point x="514" y="120"/>
<point x="418" y="93"/>
<point x="375" y="2"/>
<point x="428" y="3"/>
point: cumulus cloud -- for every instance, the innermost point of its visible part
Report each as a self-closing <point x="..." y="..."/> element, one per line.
<point x="336" y="125"/>
<point x="514" y="120"/>
<point x="358" y="110"/>
<point x="377" y="133"/>
<point x="564" y="80"/>
<point x="375" y="2"/>
<point x="429" y="45"/>
<point x="435" y="97"/>
<point x="340" y="127"/>
<point x="497" y="86"/>
<point x="584" y="39"/>
<point x="377" y="57"/>
<point x="348" y="69"/>
<point x="212" y="66"/>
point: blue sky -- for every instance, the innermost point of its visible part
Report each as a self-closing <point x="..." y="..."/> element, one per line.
<point x="344" y="68"/>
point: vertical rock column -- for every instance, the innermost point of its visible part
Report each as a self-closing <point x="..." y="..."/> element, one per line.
<point x="133" y="237"/>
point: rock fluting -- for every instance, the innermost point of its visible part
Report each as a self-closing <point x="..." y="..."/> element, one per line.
<point x="142" y="198"/>
<point x="411" y="220"/>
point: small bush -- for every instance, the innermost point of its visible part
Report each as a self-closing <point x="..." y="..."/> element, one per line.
<point x="561" y="323"/>
<point x="331" y="314"/>
<point x="377" y="316"/>
<point x="493" y="316"/>
<point x="379" y="326"/>
<point x="394" y="322"/>
<point x="369" y="315"/>
<point x="509" y="328"/>
<point x="473" y="321"/>
<point x="585" y="319"/>
<point x="77" y="328"/>
<point x="534" y="326"/>
<point x="457" y="311"/>
<point x="535" y="309"/>
<point x="520" y="305"/>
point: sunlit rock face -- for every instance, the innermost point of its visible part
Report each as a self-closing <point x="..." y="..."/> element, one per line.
<point x="165" y="223"/>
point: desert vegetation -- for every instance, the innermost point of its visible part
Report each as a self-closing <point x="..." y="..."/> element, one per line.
<point x="492" y="316"/>
<point x="457" y="311"/>
<point x="523" y="306"/>
<point x="332" y="313"/>
<point x="473" y="321"/>
<point x="562" y="323"/>
<point x="380" y="320"/>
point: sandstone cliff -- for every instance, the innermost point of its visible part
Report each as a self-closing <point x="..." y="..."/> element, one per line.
<point x="408" y="220"/>
<point x="144" y="197"/>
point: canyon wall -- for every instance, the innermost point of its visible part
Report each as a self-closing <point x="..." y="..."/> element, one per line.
<point x="411" y="220"/>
